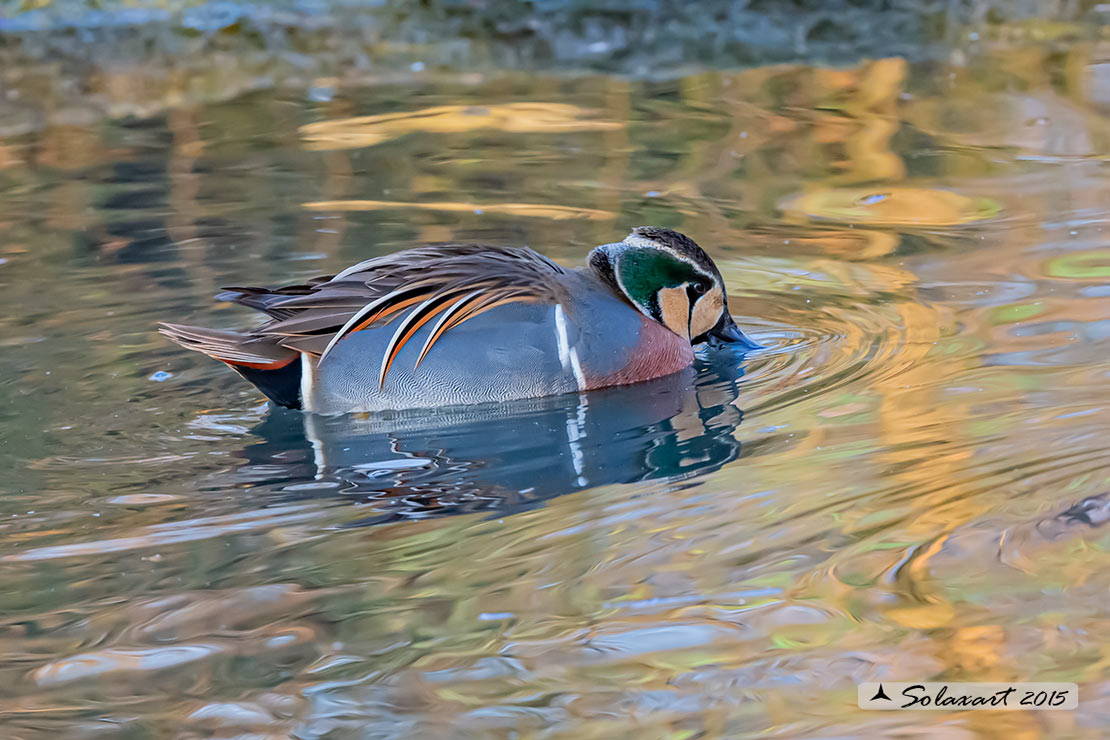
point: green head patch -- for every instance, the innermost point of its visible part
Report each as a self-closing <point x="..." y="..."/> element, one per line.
<point x="643" y="272"/>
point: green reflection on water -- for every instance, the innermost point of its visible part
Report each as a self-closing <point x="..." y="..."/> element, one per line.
<point x="1084" y="265"/>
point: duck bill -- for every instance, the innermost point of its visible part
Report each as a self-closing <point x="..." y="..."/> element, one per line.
<point x="727" y="332"/>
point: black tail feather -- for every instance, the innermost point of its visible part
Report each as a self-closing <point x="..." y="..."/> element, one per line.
<point x="274" y="369"/>
<point x="281" y="385"/>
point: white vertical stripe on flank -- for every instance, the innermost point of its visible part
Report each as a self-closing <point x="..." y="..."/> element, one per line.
<point x="568" y="355"/>
<point x="308" y="381"/>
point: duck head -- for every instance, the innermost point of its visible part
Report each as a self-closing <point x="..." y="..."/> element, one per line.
<point x="672" y="280"/>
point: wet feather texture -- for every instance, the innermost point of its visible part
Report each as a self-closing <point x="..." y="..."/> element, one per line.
<point x="379" y="289"/>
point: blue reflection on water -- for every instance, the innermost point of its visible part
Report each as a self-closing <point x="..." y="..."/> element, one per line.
<point x="503" y="458"/>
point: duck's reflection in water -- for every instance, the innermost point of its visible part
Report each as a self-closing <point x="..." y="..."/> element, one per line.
<point x="504" y="458"/>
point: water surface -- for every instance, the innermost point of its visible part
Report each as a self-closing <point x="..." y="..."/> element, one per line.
<point x="909" y="484"/>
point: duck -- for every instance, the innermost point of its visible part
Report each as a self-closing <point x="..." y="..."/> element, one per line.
<point x="461" y="323"/>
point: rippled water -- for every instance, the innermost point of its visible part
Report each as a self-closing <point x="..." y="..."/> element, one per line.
<point x="911" y="483"/>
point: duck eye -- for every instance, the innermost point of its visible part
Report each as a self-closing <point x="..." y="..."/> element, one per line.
<point x="699" y="288"/>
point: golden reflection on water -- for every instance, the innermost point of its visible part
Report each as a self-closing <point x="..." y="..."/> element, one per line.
<point x="916" y="489"/>
<point x="364" y="131"/>
<point x="897" y="206"/>
<point x="529" y="210"/>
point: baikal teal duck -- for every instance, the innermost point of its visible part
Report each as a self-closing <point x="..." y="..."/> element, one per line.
<point x="468" y="323"/>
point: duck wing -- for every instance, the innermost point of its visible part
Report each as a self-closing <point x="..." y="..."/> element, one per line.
<point x="450" y="283"/>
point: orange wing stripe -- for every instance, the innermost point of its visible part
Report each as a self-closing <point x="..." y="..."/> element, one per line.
<point x="275" y="365"/>
<point x="470" y="312"/>
<point x="404" y="340"/>
<point x="440" y="331"/>
<point x="393" y="308"/>
<point x="387" y="311"/>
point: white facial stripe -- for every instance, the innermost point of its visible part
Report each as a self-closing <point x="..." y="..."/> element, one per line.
<point x="635" y="240"/>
